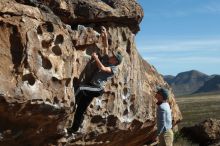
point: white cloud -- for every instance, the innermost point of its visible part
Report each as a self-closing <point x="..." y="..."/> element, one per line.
<point x="167" y="13"/>
<point x="150" y="58"/>
<point x="180" y="45"/>
<point x="189" y="59"/>
<point x="191" y="51"/>
<point x="213" y="7"/>
<point x="179" y="10"/>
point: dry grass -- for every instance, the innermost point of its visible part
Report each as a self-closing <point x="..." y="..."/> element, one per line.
<point x="196" y="109"/>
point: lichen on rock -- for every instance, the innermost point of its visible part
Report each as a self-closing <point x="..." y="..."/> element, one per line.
<point x="45" y="54"/>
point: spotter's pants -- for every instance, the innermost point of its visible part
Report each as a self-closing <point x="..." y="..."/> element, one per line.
<point x="166" y="138"/>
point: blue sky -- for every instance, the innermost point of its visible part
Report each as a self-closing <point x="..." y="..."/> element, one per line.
<point x="181" y="35"/>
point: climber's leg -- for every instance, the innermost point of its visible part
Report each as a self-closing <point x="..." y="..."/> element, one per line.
<point x="84" y="96"/>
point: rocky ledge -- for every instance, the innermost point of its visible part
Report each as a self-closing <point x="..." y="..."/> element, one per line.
<point x="45" y="53"/>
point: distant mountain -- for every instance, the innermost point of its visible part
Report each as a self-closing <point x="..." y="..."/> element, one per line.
<point x="212" y="85"/>
<point x="169" y="78"/>
<point x="193" y="81"/>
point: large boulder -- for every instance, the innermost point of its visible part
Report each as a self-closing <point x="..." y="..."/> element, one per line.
<point x="206" y="132"/>
<point x="45" y="54"/>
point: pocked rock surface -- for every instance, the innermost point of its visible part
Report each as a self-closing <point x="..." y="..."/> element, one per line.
<point x="45" y="53"/>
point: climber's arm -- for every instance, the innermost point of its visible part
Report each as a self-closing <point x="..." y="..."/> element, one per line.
<point x="104" y="39"/>
<point x="100" y="65"/>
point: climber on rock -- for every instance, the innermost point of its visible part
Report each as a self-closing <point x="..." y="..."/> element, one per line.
<point x="105" y="72"/>
<point x="95" y="88"/>
<point x="106" y="69"/>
